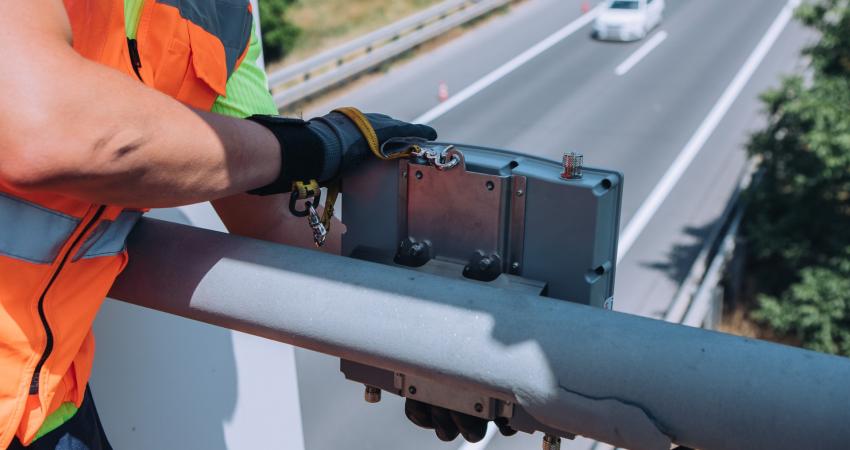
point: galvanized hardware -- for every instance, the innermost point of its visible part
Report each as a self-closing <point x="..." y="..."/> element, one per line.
<point x="573" y="163"/>
<point x="483" y="267"/>
<point x="412" y="253"/>
<point x="303" y="191"/>
<point x="551" y="442"/>
<point x="441" y="158"/>
<point x="516" y="225"/>
<point x="372" y="394"/>
<point x="461" y="212"/>
<point x="496" y="218"/>
<point x="320" y="233"/>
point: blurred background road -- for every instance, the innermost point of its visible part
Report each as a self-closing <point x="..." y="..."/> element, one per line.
<point x="570" y="98"/>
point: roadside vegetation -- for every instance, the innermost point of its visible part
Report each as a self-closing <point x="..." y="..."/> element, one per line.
<point x="296" y="29"/>
<point x="797" y="226"/>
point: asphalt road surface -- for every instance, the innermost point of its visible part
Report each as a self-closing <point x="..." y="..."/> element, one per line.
<point x="569" y="95"/>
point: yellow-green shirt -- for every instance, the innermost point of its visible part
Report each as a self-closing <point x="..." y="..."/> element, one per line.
<point x="247" y="87"/>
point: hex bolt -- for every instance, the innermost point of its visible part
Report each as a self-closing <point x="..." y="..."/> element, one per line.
<point x="520" y="193"/>
<point x="551" y="442"/>
<point x="412" y="390"/>
<point x="573" y="163"/>
<point x="515" y="266"/>
<point x="416" y="249"/>
<point x="372" y="395"/>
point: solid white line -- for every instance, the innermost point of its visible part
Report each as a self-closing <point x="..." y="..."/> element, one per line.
<point x="492" y="430"/>
<point x="508" y="67"/>
<point x="640" y="53"/>
<point x="689" y="152"/>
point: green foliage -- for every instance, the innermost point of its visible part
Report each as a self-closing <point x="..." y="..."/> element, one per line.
<point x="798" y="214"/>
<point x="831" y="55"/>
<point x="279" y="35"/>
<point x="815" y="310"/>
<point x="798" y="219"/>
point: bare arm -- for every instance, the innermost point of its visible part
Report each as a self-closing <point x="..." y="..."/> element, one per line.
<point x="268" y="218"/>
<point x="77" y="127"/>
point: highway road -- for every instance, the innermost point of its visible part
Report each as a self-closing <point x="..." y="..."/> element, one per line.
<point x="694" y="90"/>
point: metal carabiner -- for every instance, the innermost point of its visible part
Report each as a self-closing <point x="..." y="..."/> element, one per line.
<point x="320" y="233"/>
<point x="293" y="199"/>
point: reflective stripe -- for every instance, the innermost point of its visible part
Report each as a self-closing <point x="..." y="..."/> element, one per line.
<point x="109" y="237"/>
<point x="32" y="233"/>
<point x="228" y="20"/>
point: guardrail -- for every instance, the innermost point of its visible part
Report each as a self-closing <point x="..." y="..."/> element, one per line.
<point x="696" y="300"/>
<point x="300" y="80"/>
<point x="560" y="363"/>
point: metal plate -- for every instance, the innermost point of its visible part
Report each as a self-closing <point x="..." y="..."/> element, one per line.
<point x="457" y="211"/>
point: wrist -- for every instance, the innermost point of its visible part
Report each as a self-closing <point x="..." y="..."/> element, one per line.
<point x="307" y="152"/>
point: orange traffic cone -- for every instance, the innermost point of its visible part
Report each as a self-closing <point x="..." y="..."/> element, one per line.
<point x="443" y="91"/>
<point x="585" y="6"/>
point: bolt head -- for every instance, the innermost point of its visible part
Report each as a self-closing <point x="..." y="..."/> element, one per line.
<point x="485" y="263"/>
<point x="412" y="390"/>
<point x="515" y="265"/>
<point x="551" y="442"/>
<point x="372" y="394"/>
<point x="479" y="407"/>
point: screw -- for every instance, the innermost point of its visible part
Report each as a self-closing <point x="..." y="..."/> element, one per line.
<point x="418" y="174"/>
<point x="404" y="174"/>
<point x="520" y="193"/>
<point x="551" y="442"/>
<point x="515" y="265"/>
<point x="479" y="407"/>
<point x="372" y="395"/>
<point x="490" y="186"/>
<point x="412" y="390"/>
<point x="573" y="163"/>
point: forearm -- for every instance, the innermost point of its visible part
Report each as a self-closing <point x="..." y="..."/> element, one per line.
<point x="268" y="218"/>
<point x="120" y="142"/>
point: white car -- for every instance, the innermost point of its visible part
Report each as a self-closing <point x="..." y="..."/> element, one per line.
<point x="628" y="20"/>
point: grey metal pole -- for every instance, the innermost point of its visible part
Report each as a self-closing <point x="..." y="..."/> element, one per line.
<point x="633" y="382"/>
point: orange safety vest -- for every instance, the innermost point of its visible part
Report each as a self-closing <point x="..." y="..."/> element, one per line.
<point x="60" y="255"/>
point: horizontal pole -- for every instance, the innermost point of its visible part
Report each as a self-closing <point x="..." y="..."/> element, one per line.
<point x="633" y="382"/>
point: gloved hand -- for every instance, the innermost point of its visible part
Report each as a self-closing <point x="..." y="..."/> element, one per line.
<point x="448" y="424"/>
<point x="325" y="147"/>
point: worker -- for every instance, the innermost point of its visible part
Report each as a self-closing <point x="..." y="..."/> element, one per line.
<point x="111" y="107"/>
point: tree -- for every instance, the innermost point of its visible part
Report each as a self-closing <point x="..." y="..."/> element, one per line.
<point x="279" y="35"/>
<point x="798" y="220"/>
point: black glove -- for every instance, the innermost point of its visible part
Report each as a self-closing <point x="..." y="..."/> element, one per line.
<point x="325" y="147"/>
<point x="448" y="424"/>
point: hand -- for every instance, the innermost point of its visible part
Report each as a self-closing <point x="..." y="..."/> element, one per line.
<point x="352" y="141"/>
<point x="448" y="424"/>
<point x="326" y="147"/>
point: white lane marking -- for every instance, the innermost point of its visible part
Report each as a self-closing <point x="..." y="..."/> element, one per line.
<point x="659" y="193"/>
<point x="640" y="53"/>
<point x="492" y="430"/>
<point x="508" y="67"/>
